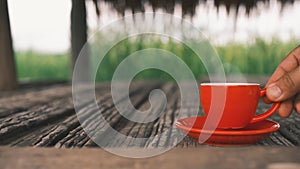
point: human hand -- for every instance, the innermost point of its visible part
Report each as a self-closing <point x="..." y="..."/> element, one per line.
<point x="284" y="85"/>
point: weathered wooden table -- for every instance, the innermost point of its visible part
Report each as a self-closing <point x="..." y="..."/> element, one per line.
<point x="43" y="116"/>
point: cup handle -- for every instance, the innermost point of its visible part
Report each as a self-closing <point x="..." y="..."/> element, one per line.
<point x="268" y="113"/>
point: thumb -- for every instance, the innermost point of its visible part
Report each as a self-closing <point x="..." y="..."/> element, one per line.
<point x="286" y="87"/>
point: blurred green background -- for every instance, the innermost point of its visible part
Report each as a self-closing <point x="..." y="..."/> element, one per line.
<point x="259" y="57"/>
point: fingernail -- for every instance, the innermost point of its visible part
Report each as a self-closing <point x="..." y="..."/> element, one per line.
<point x="274" y="91"/>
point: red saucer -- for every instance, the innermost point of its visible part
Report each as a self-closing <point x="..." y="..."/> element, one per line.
<point x="251" y="134"/>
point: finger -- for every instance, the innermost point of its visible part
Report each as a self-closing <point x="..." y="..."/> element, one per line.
<point x="297" y="103"/>
<point x="266" y="100"/>
<point x="286" y="87"/>
<point x="289" y="63"/>
<point x="286" y="108"/>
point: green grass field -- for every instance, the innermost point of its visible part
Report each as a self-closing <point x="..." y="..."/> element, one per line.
<point x="38" y="66"/>
<point x="257" y="58"/>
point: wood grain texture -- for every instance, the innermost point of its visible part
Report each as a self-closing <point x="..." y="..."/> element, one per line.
<point x="45" y="117"/>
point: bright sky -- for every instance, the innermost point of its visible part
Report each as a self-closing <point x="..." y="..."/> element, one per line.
<point x="44" y="25"/>
<point x="40" y="24"/>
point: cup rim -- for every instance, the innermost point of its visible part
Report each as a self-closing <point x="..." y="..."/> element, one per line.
<point x="229" y="84"/>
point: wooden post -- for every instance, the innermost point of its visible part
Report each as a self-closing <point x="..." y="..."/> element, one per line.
<point x="79" y="33"/>
<point x="8" y="79"/>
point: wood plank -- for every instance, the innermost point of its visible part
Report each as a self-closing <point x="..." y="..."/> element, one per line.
<point x="46" y="117"/>
<point x="121" y="124"/>
<point x="33" y="120"/>
<point x="29" y="99"/>
<point x="203" y="157"/>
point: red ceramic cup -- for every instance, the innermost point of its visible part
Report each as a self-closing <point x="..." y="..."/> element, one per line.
<point x="238" y="102"/>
